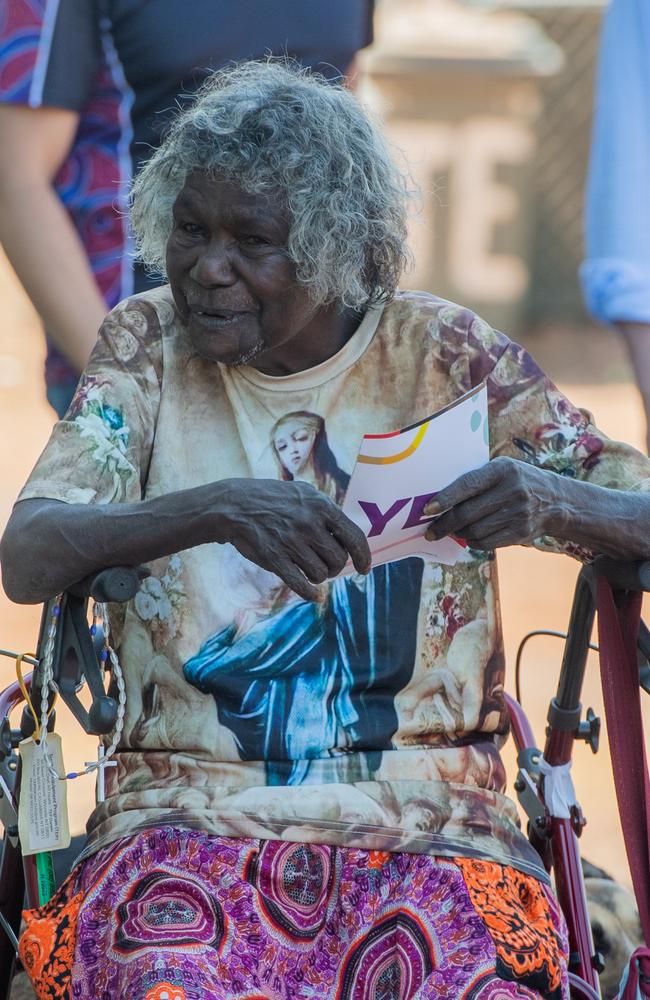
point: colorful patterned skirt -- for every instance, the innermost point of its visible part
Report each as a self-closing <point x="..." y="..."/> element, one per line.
<point x="179" y="915"/>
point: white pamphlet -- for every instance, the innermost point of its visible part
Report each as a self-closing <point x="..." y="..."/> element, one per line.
<point x="396" y="475"/>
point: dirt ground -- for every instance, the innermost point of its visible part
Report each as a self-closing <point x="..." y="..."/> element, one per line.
<point x="535" y="588"/>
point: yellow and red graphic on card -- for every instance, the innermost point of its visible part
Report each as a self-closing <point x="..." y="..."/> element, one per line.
<point x="397" y="474"/>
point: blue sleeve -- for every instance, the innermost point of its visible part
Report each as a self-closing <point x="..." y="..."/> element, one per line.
<point x="616" y="272"/>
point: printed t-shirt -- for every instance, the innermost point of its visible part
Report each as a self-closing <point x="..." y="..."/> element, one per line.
<point x="375" y="719"/>
<point x="125" y="66"/>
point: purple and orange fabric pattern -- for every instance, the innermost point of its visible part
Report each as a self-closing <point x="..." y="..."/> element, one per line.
<point x="181" y="915"/>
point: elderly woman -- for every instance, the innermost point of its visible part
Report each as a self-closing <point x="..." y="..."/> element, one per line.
<point x="362" y="858"/>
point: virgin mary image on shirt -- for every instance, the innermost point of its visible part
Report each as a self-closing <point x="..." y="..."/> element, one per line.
<point x="298" y="681"/>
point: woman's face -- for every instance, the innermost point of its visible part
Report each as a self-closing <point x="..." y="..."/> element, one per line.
<point x="293" y="443"/>
<point x="234" y="284"/>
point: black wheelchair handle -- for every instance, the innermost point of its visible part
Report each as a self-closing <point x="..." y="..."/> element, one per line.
<point x="623" y="575"/>
<point x="113" y="585"/>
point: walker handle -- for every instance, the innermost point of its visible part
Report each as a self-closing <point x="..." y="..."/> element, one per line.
<point x="623" y="575"/>
<point x="113" y="585"/>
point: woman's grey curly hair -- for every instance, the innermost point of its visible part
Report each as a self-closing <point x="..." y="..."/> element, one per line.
<point x="275" y="128"/>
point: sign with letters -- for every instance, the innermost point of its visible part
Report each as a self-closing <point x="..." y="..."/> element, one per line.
<point x="396" y="475"/>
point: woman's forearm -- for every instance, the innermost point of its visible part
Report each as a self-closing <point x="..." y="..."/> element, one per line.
<point x="510" y="502"/>
<point x="48" y="545"/>
<point x="609" y="522"/>
<point x="37" y="232"/>
<point x="288" y="528"/>
<point x="49" y="259"/>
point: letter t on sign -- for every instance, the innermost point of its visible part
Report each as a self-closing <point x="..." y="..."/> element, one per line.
<point x="378" y="520"/>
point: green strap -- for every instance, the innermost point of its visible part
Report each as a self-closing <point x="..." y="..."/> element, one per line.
<point x="46" y="879"/>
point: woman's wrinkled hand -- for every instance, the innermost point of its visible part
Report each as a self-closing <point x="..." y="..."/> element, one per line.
<point x="292" y="530"/>
<point x="507" y="502"/>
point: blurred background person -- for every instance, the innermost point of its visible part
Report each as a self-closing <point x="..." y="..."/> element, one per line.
<point x="86" y="90"/>
<point x="616" y="272"/>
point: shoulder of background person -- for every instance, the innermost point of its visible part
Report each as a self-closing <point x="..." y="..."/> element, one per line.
<point x="49" y="53"/>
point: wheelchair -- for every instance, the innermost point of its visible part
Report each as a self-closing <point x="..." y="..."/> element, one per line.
<point x="76" y="661"/>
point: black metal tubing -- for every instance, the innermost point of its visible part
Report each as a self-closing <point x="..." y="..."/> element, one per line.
<point x="12" y="897"/>
<point x="564" y="721"/>
<point x="574" y="660"/>
<point x="74" y="657"/>
<point x="12" y="894"/>
<point x="622" y="575"/>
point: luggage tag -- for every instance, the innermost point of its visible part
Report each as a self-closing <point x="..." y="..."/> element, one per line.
<point x="43" y="807"/>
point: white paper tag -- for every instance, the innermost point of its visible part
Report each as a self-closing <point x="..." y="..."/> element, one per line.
<point x="42" y="808"/>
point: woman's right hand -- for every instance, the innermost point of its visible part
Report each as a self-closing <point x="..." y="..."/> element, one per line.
<point x="288" y="528"/>
<point x="291" y="529"/>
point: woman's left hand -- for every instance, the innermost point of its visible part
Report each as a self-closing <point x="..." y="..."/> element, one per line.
<point x="507" y="502"/>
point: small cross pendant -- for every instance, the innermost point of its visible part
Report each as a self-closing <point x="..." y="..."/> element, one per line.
<point x="101" y="788"/>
